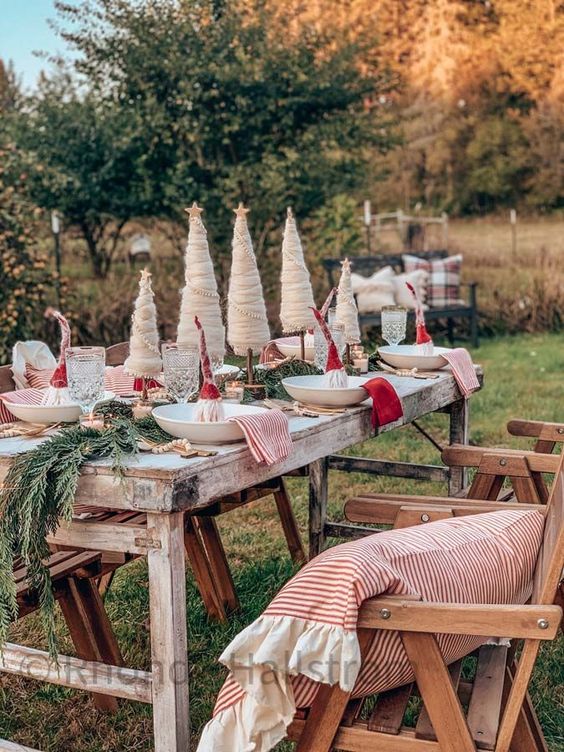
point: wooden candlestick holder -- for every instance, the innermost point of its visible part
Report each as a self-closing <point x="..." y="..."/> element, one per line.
<point x="257" y="389"/>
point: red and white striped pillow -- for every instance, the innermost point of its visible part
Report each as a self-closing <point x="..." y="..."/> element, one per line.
<point x="308" y="633"/>
<point x="115" y="379"/>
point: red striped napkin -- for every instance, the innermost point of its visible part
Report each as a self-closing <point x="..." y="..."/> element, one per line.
<point x="386" y="405"/>
<point x="267" y="435"/>
<point x="463" y="370"/>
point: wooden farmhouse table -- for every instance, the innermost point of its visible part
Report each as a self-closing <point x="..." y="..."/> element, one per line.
<point x="164" y="487"/>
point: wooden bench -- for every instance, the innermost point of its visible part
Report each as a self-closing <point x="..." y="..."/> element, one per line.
<point x="367" y="265"/>
<point x="73" y="576"/>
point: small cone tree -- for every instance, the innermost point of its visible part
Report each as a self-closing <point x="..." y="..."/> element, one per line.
<point x="200" y="296"/>
<point x="297" y="296"/>
<point x="144" y="359"/>
<point x="347" y="312"/>
<point x="247" y="323"/>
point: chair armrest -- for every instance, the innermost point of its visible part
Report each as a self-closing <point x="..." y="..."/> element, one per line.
<point x="536" y="429"/>
<point x="463" y="455"/>
<point x="517" y="621"/>
<point x="383" y="509"/>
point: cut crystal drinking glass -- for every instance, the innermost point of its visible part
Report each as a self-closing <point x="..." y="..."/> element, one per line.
<point x="394" y="324"/>
<point x="85" y="375"/>
<point x="181" y="368"/>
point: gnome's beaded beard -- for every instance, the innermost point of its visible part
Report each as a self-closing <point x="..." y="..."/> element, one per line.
<point x="209" y="411"/>
<point x="56" y="396"/>
<point x="336" y="379"/>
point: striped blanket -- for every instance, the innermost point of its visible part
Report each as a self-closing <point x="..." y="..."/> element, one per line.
<point x="308" y="633"/>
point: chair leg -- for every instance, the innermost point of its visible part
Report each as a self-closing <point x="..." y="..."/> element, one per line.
<point x="528" y="735"/>
<point x="218" y="564"/>
<point x="437" y="692"/>
<point x="91" y="631"/>
<point x="450" y="331"/>
<point x="203" y="575"/>
<point x="289" y="524"/>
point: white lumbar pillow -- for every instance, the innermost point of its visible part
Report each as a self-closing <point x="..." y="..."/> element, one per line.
<point x="375" y="292"/>
<point x="402" y="295"/>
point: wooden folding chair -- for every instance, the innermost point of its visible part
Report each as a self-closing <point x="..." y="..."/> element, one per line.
<point x="72" y="575"/>
<point x="499" y="716"/>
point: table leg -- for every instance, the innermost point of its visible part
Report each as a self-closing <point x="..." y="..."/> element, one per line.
<point x="169" y="649"/>
<point x="318" y="477"/>
<point x="458" y="434"/>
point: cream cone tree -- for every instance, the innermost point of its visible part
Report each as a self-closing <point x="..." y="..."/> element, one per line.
<point x="144" y="357"/>
<point x="347" y="312"/>
<point x="200" y="296"/>
<point x="247" y="323"/>
<point x="297" y="296"/>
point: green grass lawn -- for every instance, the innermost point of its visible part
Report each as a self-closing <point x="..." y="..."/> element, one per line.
<point x="523" y="378"/>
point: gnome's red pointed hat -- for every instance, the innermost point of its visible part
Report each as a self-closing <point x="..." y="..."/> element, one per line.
<point x="334" y="369"/>
<point x="422" y="336"/>
<point x="209" y="408"/>
<point x="57" y="392"/>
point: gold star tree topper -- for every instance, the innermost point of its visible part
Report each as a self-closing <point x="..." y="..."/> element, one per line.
<point x="194" y="211"/>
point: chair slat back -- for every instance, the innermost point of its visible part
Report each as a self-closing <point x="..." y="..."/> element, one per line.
<point x="551" y="557"/>
<point x="6" y="379"/>
<point x="116" y="354"/>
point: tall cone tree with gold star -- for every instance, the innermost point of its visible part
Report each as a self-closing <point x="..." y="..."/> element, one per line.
<point x="144" y="359"/>
<point x="200" y="296"/>
<point x="247" y="323"/>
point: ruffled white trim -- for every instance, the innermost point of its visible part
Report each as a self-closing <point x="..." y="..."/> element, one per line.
<point x="262" y="659"/>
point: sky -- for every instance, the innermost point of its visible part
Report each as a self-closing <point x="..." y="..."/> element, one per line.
<point x="23" y="29"/>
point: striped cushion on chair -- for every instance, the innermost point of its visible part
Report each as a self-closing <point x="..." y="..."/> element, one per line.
<point x="115" y="379"/>
<point x="308" y="633"/>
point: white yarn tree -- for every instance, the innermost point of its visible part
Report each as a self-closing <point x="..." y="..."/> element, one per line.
<point x="247" y="323"/>
<point x="144" y="359"/>
<point x="200" y="296"/>
<point x="297" y="296"/>
<point x="347" y="312"/>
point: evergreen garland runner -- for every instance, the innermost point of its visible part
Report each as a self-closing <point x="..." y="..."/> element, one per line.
<point x="39" y="491"/>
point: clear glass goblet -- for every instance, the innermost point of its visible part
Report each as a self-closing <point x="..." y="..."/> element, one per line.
<point x="394" y="324"/>
<point x="85" y="376"/>
<point x="181" y="368"/>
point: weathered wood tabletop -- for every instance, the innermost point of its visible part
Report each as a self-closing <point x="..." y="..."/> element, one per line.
<point x="165" y="486"/>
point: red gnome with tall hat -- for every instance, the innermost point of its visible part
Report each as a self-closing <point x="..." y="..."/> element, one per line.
<point x="58" y="392"/>
<point x="422" y="336"/>
<point x="335" y="374"/>
<point x="209" y="408"/>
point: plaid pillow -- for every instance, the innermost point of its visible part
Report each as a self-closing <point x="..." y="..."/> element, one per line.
<point x="443" y="284"/>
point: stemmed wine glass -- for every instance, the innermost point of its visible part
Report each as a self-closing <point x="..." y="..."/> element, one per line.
<point x="394" y="324"/>
<point x="85" y="376"/>
<point x="181" y="368"/>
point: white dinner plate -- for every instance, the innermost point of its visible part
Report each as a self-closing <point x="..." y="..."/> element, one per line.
<point x="310" y="390"/>
<point x="290" y="347"/>
<point x="178" y="420"/>
<point x="50" y="414"/>
<point x="409" y="356"/>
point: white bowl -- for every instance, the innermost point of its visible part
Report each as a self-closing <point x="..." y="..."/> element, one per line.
<point x="290" y="347"/>
<point x="227" y="370"/>
<point x="50" y="414"/>
<point x="310" y="390"/>
<point x="409" y="356"/>
<point x="177" y="420"/>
